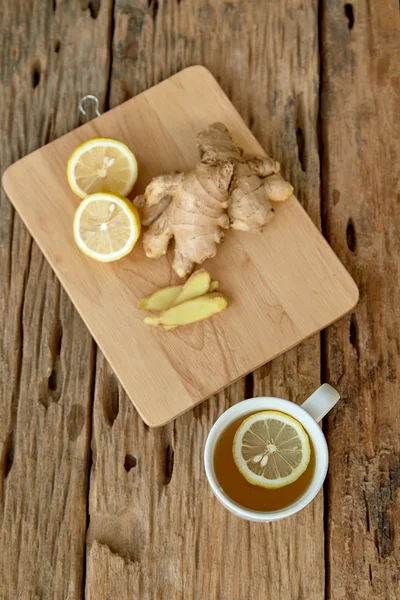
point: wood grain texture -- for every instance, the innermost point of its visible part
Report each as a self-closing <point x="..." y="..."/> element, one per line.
<point x="361" y="140"/>
<point x="163" y="535"/>
<point x="46" y="353"/>
<point x="284" y="284"/>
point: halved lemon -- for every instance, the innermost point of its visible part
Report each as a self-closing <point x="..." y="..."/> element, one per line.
<point x="271" y="449"/>
<point x="106" y="227"/>
<point x="102" y="165"/>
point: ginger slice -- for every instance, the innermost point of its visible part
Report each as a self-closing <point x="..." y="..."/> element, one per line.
<point x="191" y="311"/>
<point x="198" y="284"/>
<point x="161" y="299"/>
<point x="214" y="286"/>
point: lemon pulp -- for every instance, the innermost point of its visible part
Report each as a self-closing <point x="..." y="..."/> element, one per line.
<point x="102" y="165"/>
<point x="106" y="227"/>
<point x="271" y="449"/>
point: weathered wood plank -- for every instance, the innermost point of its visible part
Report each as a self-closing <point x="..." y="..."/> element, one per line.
<point x="361" y="137"/>
<point x="155" y="529"/>
<point x="46" y="354"/>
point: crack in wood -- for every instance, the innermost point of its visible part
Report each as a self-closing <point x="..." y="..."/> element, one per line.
<point x="300" y="126"/>
<point x="367" y="515"/>
<point x="250" y="120"/>
<point x="130" y="462"/>
<point x="58" y="338"/>
<point x="111" y="34"/>
<point x="94" y="8"/>
<point x="351" y="236"/>
<point x="36" y="74"/>
<point x="353" y="334"/>
<point x="324" y="364"/>
<point x="301" y="148"/>
<point x="153" y="5"/>
<point x="111" y="400"/>
<point x="349" y="12"/>
<point x="52" y="391"/>
<point x="249" y="386"/>
<point x="91" y="453"/>
<point x="7" y="458"/>
<point x="53" y="380"/>
<point x="169" y="464"/>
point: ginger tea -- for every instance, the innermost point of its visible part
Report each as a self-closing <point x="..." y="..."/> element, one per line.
<point x="244" y="493"/>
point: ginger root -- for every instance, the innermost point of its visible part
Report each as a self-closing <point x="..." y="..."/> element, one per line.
<point x="194" y="216"/>
<point x="198" y="284"/>
<point x="191" y="311"/>
<point x="224" y="190"/>
<point x="256" y="181"/>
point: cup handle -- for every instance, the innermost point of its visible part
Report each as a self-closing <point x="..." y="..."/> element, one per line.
<point x="321" y="401"/>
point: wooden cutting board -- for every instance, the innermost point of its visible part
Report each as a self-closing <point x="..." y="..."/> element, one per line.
<point x="284" y="284"/>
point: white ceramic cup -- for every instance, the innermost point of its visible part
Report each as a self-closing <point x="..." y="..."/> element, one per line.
<point x="308" y="414"/>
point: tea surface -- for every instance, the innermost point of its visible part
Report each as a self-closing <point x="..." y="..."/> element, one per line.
<point x="241" y="491"/>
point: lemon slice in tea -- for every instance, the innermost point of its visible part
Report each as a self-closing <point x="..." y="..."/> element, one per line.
<point x="102" y="165"/>
<point x="271" y="449"/>
<point x="106" y="227"/>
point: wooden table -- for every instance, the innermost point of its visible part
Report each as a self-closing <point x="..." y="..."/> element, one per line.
<point x="94" y="504"/>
